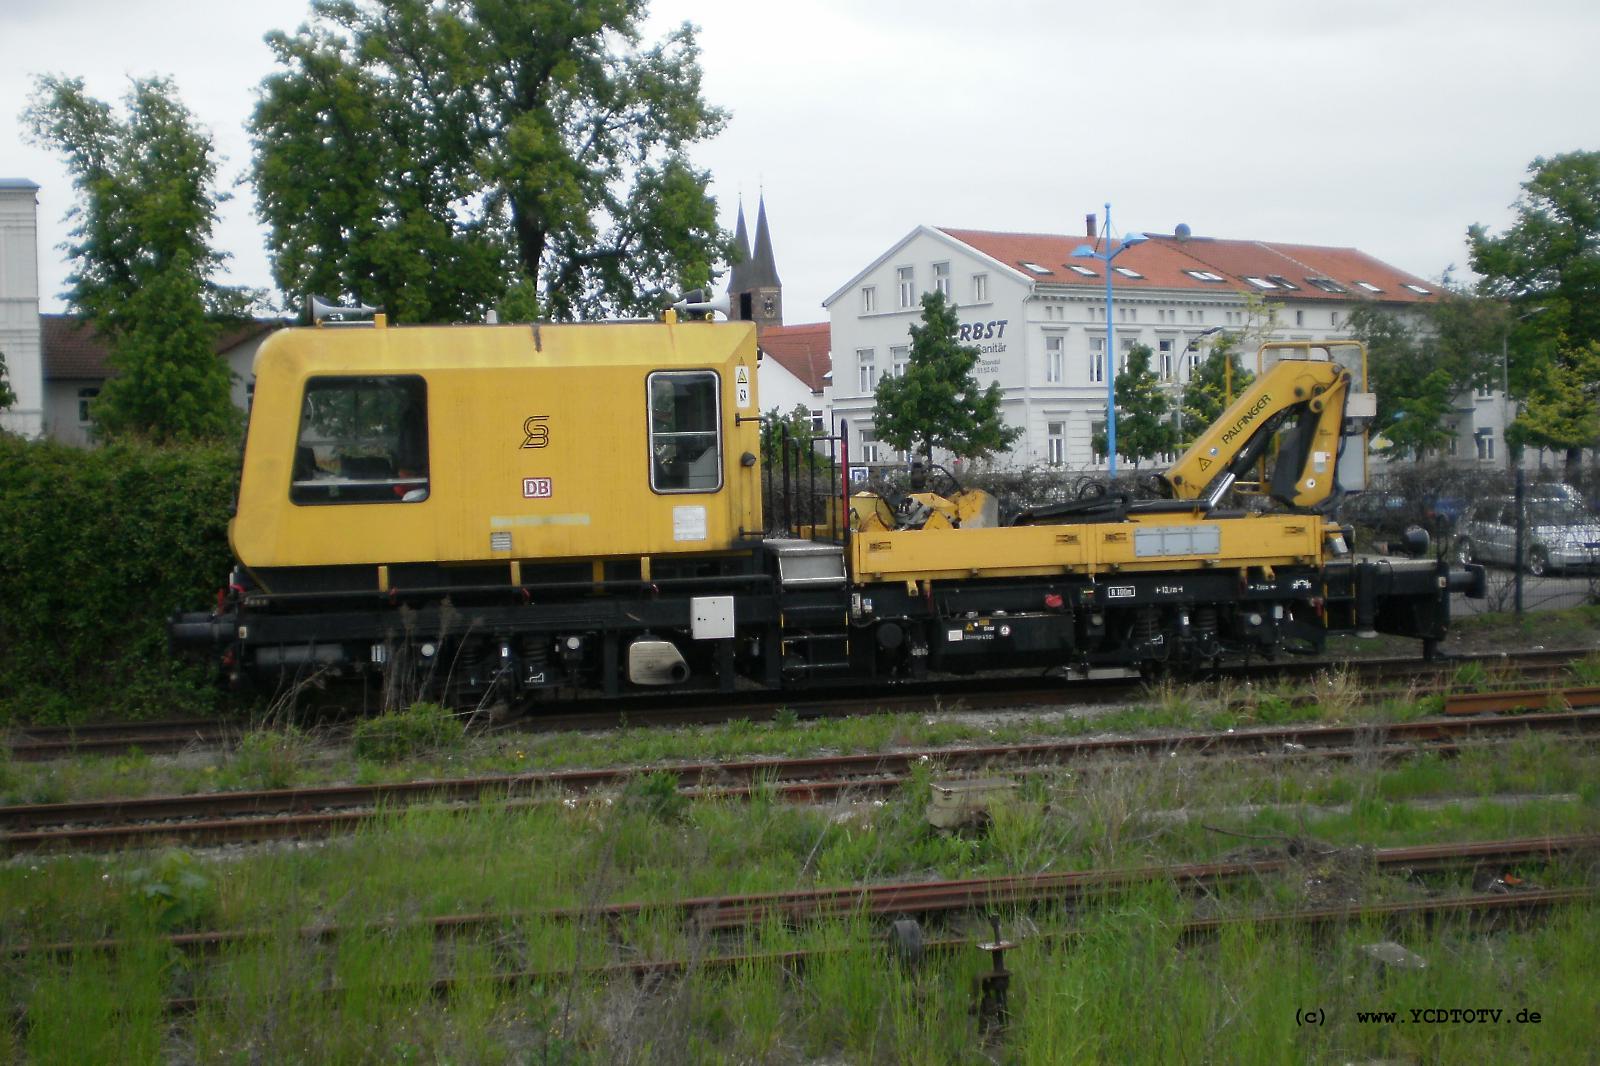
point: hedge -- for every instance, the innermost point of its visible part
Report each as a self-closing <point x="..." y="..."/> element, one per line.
<point x="97" y="549"/>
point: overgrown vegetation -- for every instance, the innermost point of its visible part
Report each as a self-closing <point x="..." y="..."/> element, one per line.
<point x="97" y="549"/>
<point x="365" y="993"/>
<point x="421" y="729"/>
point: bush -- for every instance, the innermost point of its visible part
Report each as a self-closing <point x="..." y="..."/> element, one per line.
<point x="421" y="729"/>
<point x="97" y="549"/>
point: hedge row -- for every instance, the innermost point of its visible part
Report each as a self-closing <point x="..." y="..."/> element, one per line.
<point x="97" y="548"/>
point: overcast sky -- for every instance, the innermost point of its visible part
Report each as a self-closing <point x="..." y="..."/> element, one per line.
<point x="1376" y="124"/>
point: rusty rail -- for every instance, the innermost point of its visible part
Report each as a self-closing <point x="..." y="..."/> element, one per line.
<point x="292" y="813"/>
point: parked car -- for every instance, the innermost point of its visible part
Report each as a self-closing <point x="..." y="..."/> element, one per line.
<point x="1560" y="534"/>
<point x="1387" y="513"/>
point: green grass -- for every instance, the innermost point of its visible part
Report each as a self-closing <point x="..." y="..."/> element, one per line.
<point x="1124" y="987"/>
<point x="426" y="742"/>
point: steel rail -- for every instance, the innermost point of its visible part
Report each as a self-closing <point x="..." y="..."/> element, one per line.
<point x="39" y="743"/>
<point x="723" y="913"/>
<point x="1486" y="904"/>
<point x="288" y="813"/>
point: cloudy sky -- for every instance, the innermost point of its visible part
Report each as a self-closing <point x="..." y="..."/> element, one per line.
<point x="1381" y="125"/>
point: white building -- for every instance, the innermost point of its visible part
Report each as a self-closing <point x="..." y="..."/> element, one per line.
<point x="19" y="305"/>
<point x="796" y="371"/>
<point x="77" y="363"/>
<point x="1038" y="316"/>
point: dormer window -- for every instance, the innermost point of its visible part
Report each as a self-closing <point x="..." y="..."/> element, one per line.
<point x="1205" y="275"/>
<point x="1418" y="289"/>
<point x="1327" y="285"/>
<point x="1034" y="267"/>
<point x="1129" y="272"/>
<point x="1368" y="286"/>
<point x="1085" y="271"/>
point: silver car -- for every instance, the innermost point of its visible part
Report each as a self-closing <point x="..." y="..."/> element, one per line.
<point x="1561" y="534"/>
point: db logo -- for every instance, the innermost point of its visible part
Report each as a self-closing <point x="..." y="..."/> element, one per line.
<point x="536" y="488"/>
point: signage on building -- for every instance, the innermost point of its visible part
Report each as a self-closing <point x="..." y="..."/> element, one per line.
<point x="990" y="340"/>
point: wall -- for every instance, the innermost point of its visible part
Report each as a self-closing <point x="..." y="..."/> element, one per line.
<point x="19" y="305"/>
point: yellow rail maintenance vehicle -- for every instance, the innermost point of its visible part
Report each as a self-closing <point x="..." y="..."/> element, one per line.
<point x="497" y="513"/>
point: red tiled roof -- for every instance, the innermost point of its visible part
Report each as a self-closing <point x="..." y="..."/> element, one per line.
<point x="1164" y="260"/>
<point x="804" y="351"/>
<point x="73" y="350"/>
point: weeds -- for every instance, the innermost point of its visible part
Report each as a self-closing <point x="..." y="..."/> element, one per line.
<point x="269" y="758"/>
<point x="421" y="729"/>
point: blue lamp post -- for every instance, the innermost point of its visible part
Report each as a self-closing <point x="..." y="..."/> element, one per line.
<point x="1088" y="251"/>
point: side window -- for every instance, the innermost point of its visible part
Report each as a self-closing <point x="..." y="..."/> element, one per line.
<point x="362" y="440"/>
<point x="685" y="431"/>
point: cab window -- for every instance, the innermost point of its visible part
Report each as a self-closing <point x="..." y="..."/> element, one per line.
<point x="685" y="431"/>
<point x="362" y="440"/>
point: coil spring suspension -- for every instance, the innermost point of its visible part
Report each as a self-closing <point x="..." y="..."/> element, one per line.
<point x="533" y="655"/>
<point x="1203" y="629"/>
<point x="1146" y="625"/>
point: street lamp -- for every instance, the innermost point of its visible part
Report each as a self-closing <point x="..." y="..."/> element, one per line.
<point x="1087" y="251"/>
<point x="1505" y="380"/>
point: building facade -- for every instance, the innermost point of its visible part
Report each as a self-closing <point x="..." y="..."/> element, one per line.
<point x="1037" y="314"/>
<point x="19" y="306"/>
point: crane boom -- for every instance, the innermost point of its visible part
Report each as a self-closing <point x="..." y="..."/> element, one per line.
<point x="1303" y="398"/>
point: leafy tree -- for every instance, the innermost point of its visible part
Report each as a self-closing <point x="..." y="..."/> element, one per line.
<point x="1205" y="397"/>
<point x="143" y="268"/>
<point x="797" y="425"/>
<point x="937" y="403"/>
<point x="445" y="158"/>
<point x="1561" y="408"/>
<point x="1547" y="266"/>
<point x="1418" y="368"/>
<point x="7" y="397"/>
<point x="1144" y="428"/>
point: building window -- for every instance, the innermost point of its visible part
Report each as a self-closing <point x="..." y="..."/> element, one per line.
<point x="1299" y="318"/>
<point x="869" y="299"/>
<point x="1194" y="362"/>
<point x="1167" y="367"/>
<point x="867" y="371"/>
<point x="1055" y="359"/>
<point x="899" y="357"/>
<point x="941" y="278"/>
<point x="1122" y="356"/>
<point x="907" y="279"/>
<point x="1333" y="319"/>
<point x="818" y="426"/>
<point x="1097" y="359"/>
<point x="85" y="398"/>
<point x="1097" y="438"/>
<point x="869" y="445"/>
<point x="980" y="288"/>
<point x="363" y="440"/>
<point x="1055" y="444"/>
<point x="1485" y="391"/>
<point x="1484" y="438"/>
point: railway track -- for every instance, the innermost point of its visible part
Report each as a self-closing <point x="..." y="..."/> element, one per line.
<point x="922" y="899"/>
<point x="40" y="743"/>
<point x="250" y="816"/>
<point x="933" y="900"/>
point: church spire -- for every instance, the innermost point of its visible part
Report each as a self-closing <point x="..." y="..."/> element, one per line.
<point x="763" y="273"/>
<point x="737" y="281"/>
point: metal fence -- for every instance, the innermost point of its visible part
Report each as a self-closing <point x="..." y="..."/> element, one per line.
<point x="1537" y="534"/>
